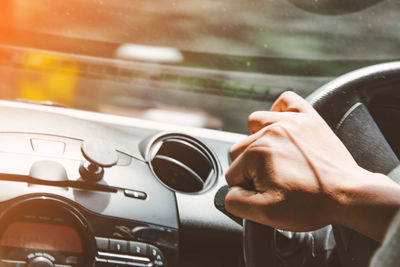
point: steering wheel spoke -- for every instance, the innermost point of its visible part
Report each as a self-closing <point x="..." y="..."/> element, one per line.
<point x="365" y="141"/>
<point x="258" y="244"/>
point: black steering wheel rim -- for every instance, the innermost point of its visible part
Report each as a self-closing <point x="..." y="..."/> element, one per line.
<point x="343" y="103"/>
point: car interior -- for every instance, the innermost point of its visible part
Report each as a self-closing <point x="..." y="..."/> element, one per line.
<point x="117" y="117"/>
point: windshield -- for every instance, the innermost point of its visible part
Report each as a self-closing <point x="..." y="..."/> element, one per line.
<point x="199" y="63"/>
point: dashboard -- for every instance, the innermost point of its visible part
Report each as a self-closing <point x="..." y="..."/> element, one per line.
<point x="79" y="188"/>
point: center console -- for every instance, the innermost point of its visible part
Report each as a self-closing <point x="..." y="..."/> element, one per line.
<point x="69" y="202"/>
<point x="84" y="189"/>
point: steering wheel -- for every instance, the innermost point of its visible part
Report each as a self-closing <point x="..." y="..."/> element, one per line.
<point x="353" y="105"/>
<point x="334" y="7"/>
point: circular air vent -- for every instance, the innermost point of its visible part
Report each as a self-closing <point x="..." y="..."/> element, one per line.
<point x="182" y="163"/>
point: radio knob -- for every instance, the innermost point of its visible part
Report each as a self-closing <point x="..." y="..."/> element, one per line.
<point x="40" y="262"/>
<point x="99" y="155"/>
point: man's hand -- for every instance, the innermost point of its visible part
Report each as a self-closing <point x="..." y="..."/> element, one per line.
<point x="293" y="173"/>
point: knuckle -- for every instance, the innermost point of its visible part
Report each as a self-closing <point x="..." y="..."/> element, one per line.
<point x="277" y="129"/>
<point x="255" y="117"/>
<point x="228" y="175"/>
<point x="232" y="151"/>
<point x="230" y="200"/>
<point x="288" y="96"/>
<point x="290" y="101"/>
<point x="265" y="146"/>
<point x="236" y="148"/>
<point x="255" y="120"/>
<point x="233" y="202"/>
<point x="265" y="130"/>
<point x="259" y="151"/>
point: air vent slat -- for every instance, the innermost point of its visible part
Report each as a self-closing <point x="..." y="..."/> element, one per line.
<point x="176" y="175"/>
<point x="183" y="163"/>
<point x="180" y="165"/>
<point x="188" y="155"/>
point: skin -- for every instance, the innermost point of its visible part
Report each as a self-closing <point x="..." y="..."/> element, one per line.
<point x="293" y="173"/>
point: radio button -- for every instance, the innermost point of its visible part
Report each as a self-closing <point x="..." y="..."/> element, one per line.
<point x="118" y="246"/>
<point x="102" y="243"/>
<point x="137" y="248"/>
<point x="40" y="262"/>
<point x="156" y="255"/>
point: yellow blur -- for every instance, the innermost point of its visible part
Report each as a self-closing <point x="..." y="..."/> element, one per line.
<point x="48" y="77"/>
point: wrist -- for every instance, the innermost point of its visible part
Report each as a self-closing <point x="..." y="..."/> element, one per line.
<point x="365" y="202"/>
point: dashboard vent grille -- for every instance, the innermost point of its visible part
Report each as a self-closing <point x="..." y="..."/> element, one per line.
<point x="183" y="164"/>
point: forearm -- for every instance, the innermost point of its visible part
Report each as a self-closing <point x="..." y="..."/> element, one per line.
<point x="368" y="204"/>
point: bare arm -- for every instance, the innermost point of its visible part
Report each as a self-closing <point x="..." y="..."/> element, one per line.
<point x="304" y="177"/>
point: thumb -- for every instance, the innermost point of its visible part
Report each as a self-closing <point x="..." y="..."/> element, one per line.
<point x="247" y="204"/>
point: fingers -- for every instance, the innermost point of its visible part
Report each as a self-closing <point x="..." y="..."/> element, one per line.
<point x="249" y="204"/>
<point x="260" y="119"/>
<point x="238" y="148"/>
<point x="237" y="173"/>
<point x="292" y="102"/>
<point x="285" y="108"/>
<point x="240" y="202"/>
<point x="250" y="155"/>
<point x="254" y="161"/>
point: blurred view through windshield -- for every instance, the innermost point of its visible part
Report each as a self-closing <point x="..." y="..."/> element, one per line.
<point x="201" y="63"/>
